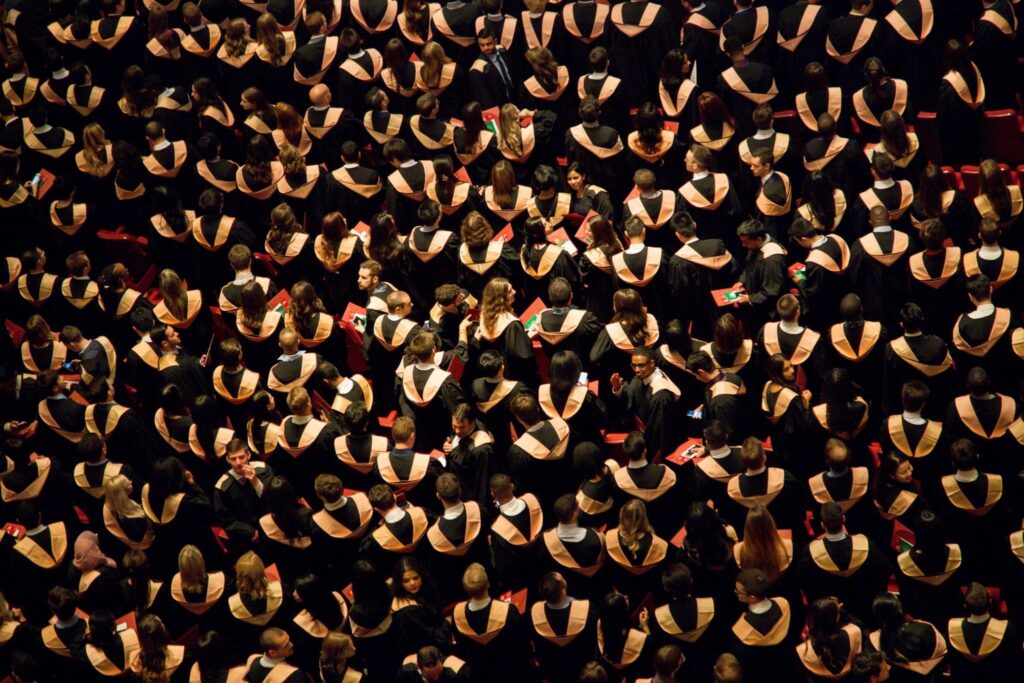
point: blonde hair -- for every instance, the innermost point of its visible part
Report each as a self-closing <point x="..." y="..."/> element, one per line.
<point x="115" y="496"/>
<point x="251" y="577"/>
<point x="494" y="302"/>
<point x="192" y="567"/>
<point x="434" y="59"/>
<point x="762" y="546"/>
<point x="510" y="135"/>
<point x="474" y="580"/>
<point x="172" y="289"/>
<point x="536" y="5"/>
<point x="633" y="524"/>
<point x="94" y="141"/>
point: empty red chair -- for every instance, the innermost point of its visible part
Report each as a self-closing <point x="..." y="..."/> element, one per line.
<point x="1001" y="137"/>
<point x="971" y="184"/>
<point x="132" y="251"/>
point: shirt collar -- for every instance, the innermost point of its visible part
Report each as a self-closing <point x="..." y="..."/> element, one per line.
<point x="764" y="134"/>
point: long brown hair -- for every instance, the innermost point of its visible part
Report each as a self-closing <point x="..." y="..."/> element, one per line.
<point x="762" y="545"/>
<point x="174" y="294"/>
<point x="629" y="312"/>
<point x="494" y="302"/>
<point x="633" y="524"/>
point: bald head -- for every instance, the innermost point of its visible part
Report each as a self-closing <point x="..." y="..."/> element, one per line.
<point x="320" y="95"/>
<point x="398" y="302"/>
<point x="878" y="216"/>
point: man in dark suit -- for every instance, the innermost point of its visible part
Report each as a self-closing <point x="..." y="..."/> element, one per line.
<point x="318" y="58"/>
<point x="490" y="76"/>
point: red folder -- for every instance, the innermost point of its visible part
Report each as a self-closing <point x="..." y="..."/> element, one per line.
<point x="561" y="238"/>
<point x="531" y="315"/>
<point x="363" y="230"/>
<point x="678" y="456"/>
<point x="282" y="299"/>
<point x="504" y="235"/>
<point x="727" y="296"/>
<point x="583" y="234"/>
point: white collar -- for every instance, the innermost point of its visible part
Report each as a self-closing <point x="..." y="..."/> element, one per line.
<point x="884" y="184"/>
<point x="408" y="164"/>
<point x="914" y="418"/>
<point x="270" y="662"/>
<point x="635" y="247"/>
<point x="394" y="318"/>
<point x="242" y="277"/>
<point x="818" y="242"/>
<point x="639" y="465"/>
<point x="967" y="476"/>
<point x="982" y="311"/>
<point x="317" y="38"/>
<point x="162" y="144"/>
<point x="761" y="607"/>
<point x="768" y="177"/>
<point x="791" y="328"/>
<point x="700" y="175"/>
<point x="17" y="77"/>
<point x="720" y="453"/>
<point x="990" y="253"/>
<point x="393" y="515"/>
<point x="46" y="128"/>
<point x="301" y="419"/>
<point x="882" y="228"/>
<point x="291" y="356"/>
<point x="477" y="604"/>
<point x="60" y="73"/>
<point x="357" y="55"/>
<point x="597" y="77"/>
<point x="978" y="618"/>
<point x="764" y="134"/>
<point x="513" y="507"/>
<point x="835" y="538"/>
<point x="571" y="532"/>
<point x="753" y="473"/>
<point x="455" y="511"/>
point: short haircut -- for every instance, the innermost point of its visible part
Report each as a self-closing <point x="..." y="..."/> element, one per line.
<point x="270" y="637"/>
<point x="715" y="434"/>
<point x="914" y="395"/>
<point x="448" y="488"/>
<point x="837" y="455"/>
<point x="752" y="453"/>
<point x="525" y="408"/>
<point x="832" y="517"/>
<point x="699" y="360"/>
<point x="381" y="497"/>
<point x="403" y="428"/>
<point x="979" y="287"/>
<point x="239" y="257"/>
<point x="565" y="508"/>
<point x="963" y="454"/>
<point x="634" y="227"/>
<point x="751" y="228"/>
<point x="635" y="447"/>
<point x="881" y="164"/>
<point x="682" y="223"/>
<point x="666" y="660"/>
<point x="446" y="294"/>
<point x="550" y="586"/>
<point x="788" y="307"/>
<point x="490" y="363"/>
<point x="702" y="156"/>
<point x="328" y="487"/>
<point x="559" y="292"/>
<point x="298" y="399"/>
<point x="474" y="580"/>
<point x="374" y="268"/>
<point x="644" y="179"/>
<point x="755" y="582"/>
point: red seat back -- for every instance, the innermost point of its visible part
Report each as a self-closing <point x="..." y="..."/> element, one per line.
<point x="1001" y="137"/>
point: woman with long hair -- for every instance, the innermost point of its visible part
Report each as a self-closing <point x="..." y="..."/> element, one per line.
<point x="505" y="198"/>
<point x="599" y="279"/>
<point x="42" y="348"/>
<point x="275" y="48"/>
<point x="179" y="307"/>
<point x="333" y="664"/>
<point x="212" y="111"/>
<point x="176" y="506"/>
<point x="96" y="158"/>
<point x="843" y="413"/>
<point x="651" y="146"/>
<point x="260" y="117"/>
<point x="438" y="70"/>
<point x="620" y="647"/>
<point x="339" y="251"/>
<point x="264" y="427"/>
<point x="934" y="198"/>
<point x="914" y="647"/>
<point x="637" y="552"/>
<point x="541" y="261"/>
<point x="208" y="439"/>
<point x="998" y="200"/>
<point x="828" y="650"/>
<point x="213" y="661"/>
<point x="137" y="101"/>
<point x="399" y="75"/>
<point x="141" y="593"/>
<point x="323" y="611"/>
<point x="547" y="86"/>
<point x="308" y="316"/>
<point x="676" y="89"/>
<point x="716" y="130"/>
<point x="518" y="137"/>
<point x="707" y="552"/>
<point x="195" y="590"/>
<point x="565" y="397"/>
<point x="729" y="348"/>
<point x="823" y="203"/>
<point x="414" y="606"/>
<point x="763" y="547"/>
<point x="109" y="651"/>
<point x="157" y="658"/>
<point x="482" y="258"/>
<point x="258" y="326"/>
<point x="235" y="54"/>
<point x="118" y="301"/>
<point x="786" y="407"/>
<point x="289" y="246"/>
<point x="597" y="488"/>
<point x="455" y="196"/>
<point x="129" y="188"/>
<point x="285" y="529"/>
<point x="413" y="23"/>
<point x="475" y="146"/>
<point x="586" y="197"/>
<point x="172" y="419"/>
<point x="123" y="518"/>
<point x="260" y="601"/>
<point x="881" y="92"/>
<point x="171" y="227"/>
<point x="257" y="178"/>
<point x="499" y="329"/>
<point x="895" y="492"/>
<point x="631" y="326"/>
<point x="961" y="109"/>
<point x="289" y="129"/>
<point x="304" y="187"/>
<point x="371" y="622"/>
<point x="900" y="144"/>
<point x="819" y="98"/>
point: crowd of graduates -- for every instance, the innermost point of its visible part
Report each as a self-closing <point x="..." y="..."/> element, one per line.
<point x="491" y="341"/>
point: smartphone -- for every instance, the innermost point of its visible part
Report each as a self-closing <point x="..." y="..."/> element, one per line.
<point x="582" y="380"/>
<point x="695" y="414"/>
<point x="68" y="367"/>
